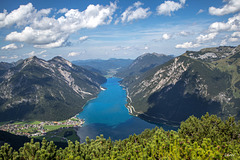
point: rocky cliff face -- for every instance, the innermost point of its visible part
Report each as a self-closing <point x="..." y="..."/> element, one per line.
<point x="46" y="90"/>
<point x="191" y="84"/>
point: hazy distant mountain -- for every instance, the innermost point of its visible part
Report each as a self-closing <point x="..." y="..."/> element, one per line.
<point x="36" y="89"/>
<point x="104" y="66"/>
<point x="191" y="84"/>
<point x="141" y="65"/>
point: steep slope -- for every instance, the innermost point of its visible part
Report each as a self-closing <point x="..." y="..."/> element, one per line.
<point x="4" y="66"/>
<point x="144" y="63"/>
<point x="104" y="66"/>
<point x="191" y="84"/>
<point x="46" y="90"/>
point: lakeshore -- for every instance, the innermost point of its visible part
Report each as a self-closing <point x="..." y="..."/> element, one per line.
<point x="109" y="115"/>
<point x="37" y="128"/>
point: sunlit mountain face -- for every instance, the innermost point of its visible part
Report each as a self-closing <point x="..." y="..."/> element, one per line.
<point x="114" y="29"/>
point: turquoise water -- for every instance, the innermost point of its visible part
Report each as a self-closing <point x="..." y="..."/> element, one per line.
<point x="108" y="108"/>
<point x="108" y="115"/>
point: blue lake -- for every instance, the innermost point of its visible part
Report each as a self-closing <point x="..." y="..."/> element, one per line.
<point x="108" y="115"/>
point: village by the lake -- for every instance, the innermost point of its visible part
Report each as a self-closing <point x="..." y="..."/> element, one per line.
<point x="37" y="128"/>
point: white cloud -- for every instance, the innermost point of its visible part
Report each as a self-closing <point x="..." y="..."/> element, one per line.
<point x="14" y="57"/>
<point x="10" y="46"/>
<point x="72" y="54"/>
<point x="233" y="24"/>
<point x="83" y="38"/>
<point x="33" y="53"/>
<point x="122" y="48"/>
<point x="184" y="33"/>
<point x="203" y="38"/>
<point x="166" y="36"/>
<point x="223" y="42"/>
<point x="30" y="54"/>
<point x="200" y="11"/>
<point x="233" y="39"/>
<point x="146" y="47"/>
<point x="236" y="34"/>
<point x="24" y="15"/>
<point x="45" y="32"/>
<point x="134" y="12"/>
<point x="232" y="6"/>
<point x="182" y="1"/>
<point x="63" y="10"/>
<point x="188" y="45"/>
<point x="44" y="51"/>
<point x="3" y="57"/>
<point x="3" y="16"/>
<point x="168" y="7"/>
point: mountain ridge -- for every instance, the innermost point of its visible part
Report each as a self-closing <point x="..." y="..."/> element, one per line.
<point x="46" y="90"/>
<point x="187" y="85"/>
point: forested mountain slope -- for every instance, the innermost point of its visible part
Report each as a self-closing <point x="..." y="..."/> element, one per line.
<point x="36" y="89"/>
<point x="142" y="64"/>
<point x="191" y="84"/>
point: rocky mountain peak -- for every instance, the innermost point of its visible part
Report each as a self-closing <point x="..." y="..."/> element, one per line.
<point x="61" y="60"/>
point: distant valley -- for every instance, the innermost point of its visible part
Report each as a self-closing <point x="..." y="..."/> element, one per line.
<point x="106" y="67"/>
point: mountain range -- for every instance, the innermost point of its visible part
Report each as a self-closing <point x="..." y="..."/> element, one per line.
<point x="191" y="84"/>
<point x="35" y="89"/>
<point x="105" y="67"/>
<point x="141" y="65"/>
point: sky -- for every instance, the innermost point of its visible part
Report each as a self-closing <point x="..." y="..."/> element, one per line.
<point x="103" y="29"/>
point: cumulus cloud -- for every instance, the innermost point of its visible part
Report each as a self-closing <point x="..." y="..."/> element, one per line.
<point x="166" y="36"/>
<point x="184" y="33"/>
<point x="14" y="57"/>
<point x="188" y="45"/>
<point x="33" y="53"/>
<point x="135" y="12"/>
<point x="48" y="32"/>
<point x="223" y="42"/>
<point x="236" y="34"/>
<point x="24" y="15"/>
<point x="232" y="6"/>
<point x="72" y="54"/>
<point x="10" y="46"/>
<point x="233" y="24"/>
<point x="83" y="38"/>
<point x="203" y="38"/>
<point x="233" y="39"/>
<point x="168" y="7"/>
<point x="40" y="38"/>
<point x="63" y="10"/>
